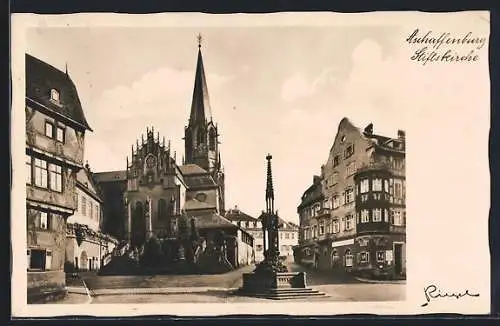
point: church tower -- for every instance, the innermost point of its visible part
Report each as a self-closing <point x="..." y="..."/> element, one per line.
<point x="201" y="137"/>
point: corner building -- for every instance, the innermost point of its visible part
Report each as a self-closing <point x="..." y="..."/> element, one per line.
<point x="357" y="224"/>
<point x="55" y="131"/>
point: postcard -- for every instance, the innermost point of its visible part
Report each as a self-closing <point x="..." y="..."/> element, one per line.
<point x="288" y="163"/>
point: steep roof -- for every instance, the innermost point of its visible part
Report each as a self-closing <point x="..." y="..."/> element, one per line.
<point x="188" y="169"/>
<point x="200" y="106"/>
<point x="41" y="78"/>
<point x="211" y="220"/>
<point x="85" y="180"/>
<point x="110" y="176"/>
<point x="196" y="177"/>
<point x="194" y="204"/>
<point x="312" y="194"/>
<point x="235" y="214"/>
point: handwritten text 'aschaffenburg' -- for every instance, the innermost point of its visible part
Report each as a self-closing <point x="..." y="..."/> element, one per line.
<point x="445" y="47"/>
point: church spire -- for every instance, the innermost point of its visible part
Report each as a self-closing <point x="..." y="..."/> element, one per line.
<point x="200" y="106"/>
<point x="269" y="187"/>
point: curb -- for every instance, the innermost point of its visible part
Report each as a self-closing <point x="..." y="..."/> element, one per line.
<point x="365" y="280"/>
<point x="132" y="291"/>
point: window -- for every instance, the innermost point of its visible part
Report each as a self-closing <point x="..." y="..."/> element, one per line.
<point x="41" y="173"/>
<point x="211" y="140"/>
<point x="247" y="224"/>
<point x="349" y="196"/>
<point x="351" y="168"/>
<point x="336" y="226"/>
<point x="44" y="220"/>
<point x="322" y="228"/>
<point x="398" y="192"/>
<point x="377" y="185"/>
<point x="364" y="257"/>
<point x="336" y="201"/>
<point x="348" y="258"/>
<point x="365" y="186"/>
<point x="336" y="161"/>
<point x="293" y="235"/>
<point x="48" y="260"/>
<point x="349" y="222"/>
<point x="386" y="185"/>
<point x="377" y="215"/>
<point x="28" y="169"/>
<point x="49" y="129"/>
<point x="60" y="134"/>
<point x="326" y="203"/>
<point x="386" y="215"/>
<point x="84" y="206"/>
<point x="349" y="151"/>
<point x="37" y="259"/>
<point x="54" y="95"/>
<point x="281" y="235"/>
<point x="287" y="235"/>
<point x="380" y="256"/>
<point x="162" y="209"/>
<point x="55" y="177"/>
<point x="398" y="221"/>
<point x="364" y="216"/>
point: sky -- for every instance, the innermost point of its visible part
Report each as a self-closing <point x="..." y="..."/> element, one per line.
<point x="272" y="90"/>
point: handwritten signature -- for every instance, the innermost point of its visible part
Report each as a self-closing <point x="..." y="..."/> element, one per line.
<point x="432" y="292"/>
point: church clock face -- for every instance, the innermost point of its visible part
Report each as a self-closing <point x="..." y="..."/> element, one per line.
<point x="150" y="162"/>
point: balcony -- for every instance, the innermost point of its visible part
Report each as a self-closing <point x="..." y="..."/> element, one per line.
<point x="381" y="166"/>
<point x="323" y="212"/>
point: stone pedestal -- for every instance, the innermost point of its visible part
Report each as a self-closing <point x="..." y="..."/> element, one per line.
<point x="277" y="286"/>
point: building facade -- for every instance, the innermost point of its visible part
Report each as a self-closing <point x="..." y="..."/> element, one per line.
<point x="55" y="131"/>
<point x="357" y="223"/>
<point x="86" y="246"/>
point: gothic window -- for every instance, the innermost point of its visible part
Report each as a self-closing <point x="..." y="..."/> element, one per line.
<point x="162" y="209"/>
<point x="200" y="137"/>
<point x="211" y="140"/>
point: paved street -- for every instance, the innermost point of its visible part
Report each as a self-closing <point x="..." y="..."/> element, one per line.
<point x="218" y="288"/>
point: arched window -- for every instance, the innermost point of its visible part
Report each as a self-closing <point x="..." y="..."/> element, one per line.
<point x="54" y="95"/>
<point x="162" y="209"/>
<point x="212" y="138"/>
<point x="200" y="136"/>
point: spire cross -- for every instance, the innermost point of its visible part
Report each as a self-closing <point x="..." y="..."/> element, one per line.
<point x="199" y="38"/>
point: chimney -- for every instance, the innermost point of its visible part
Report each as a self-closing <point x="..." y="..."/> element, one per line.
<point x="401" y="135"/>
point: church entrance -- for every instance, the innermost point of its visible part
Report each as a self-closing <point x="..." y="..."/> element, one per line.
<point x="138" y="234"/>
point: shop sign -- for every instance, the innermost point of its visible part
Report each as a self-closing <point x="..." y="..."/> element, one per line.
<point x="342" y="243"/>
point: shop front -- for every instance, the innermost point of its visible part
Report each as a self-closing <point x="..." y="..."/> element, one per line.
<point x="381" y="256"/>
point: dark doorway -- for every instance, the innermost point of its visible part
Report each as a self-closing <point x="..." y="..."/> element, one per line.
<point x="398" y="258"/>
<point x="138" y="225"/>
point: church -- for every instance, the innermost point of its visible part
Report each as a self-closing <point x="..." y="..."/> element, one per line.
<point x="181" y="206"/>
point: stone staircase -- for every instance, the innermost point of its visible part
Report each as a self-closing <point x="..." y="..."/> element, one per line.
<point x="287" y="293"/>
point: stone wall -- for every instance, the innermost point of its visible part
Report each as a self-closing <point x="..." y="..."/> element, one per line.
<point x="43" y="286"/>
